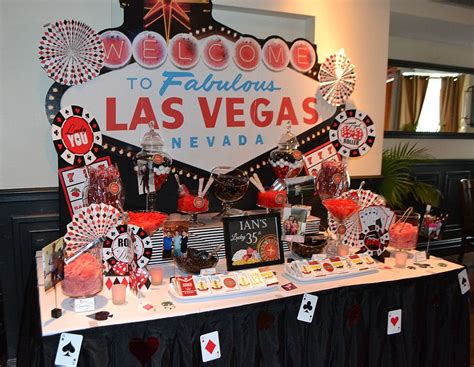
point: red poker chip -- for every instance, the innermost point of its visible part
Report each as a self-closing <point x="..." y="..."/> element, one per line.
<point x="76" y="136"/>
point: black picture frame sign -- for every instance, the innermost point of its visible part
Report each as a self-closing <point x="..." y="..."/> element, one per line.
<point x="253" y="241"/>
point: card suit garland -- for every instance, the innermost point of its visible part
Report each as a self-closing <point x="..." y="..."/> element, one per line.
<point x="71" y="52"/>
<point x="144" y="349"/>
<point x="337" y="78"/>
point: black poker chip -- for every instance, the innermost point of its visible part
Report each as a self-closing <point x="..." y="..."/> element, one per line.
<point x="352" y="133"/>
<point x="76" y="136"/>
<point x="117" y="247"/>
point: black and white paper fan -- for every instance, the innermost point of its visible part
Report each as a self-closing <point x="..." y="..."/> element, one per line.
<point x="71" y="52"/>
<point x="91" y="223"/>
<point x="337" y="78"/>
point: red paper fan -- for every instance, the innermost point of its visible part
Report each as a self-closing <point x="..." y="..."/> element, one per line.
<point x="337" y="77"/>
<point x="71" y="52"/>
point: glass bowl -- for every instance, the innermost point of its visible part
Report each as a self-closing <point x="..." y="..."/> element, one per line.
<point x="195" y="261"/>
<point x="313" y="245"/>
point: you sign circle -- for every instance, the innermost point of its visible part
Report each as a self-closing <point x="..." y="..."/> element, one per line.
<point x="76" y="135"/>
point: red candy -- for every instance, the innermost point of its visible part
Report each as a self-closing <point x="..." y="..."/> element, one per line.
<point x="271" y="199"/>
<point x="331" y="180"/>
<point x="148" y="221"/>
<point x="83" y="276"/>
<point x="403" y="235"/>
<point x="341" y="208"/>
<point x="188" y="203"/>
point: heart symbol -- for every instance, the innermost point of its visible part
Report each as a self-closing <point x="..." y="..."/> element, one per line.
<point x="142" y="349"/>
<point x="96" y="149"/>
<point x="60" y="146"/>
<point x="77" y="110"/>
<point x="394" y="320"/>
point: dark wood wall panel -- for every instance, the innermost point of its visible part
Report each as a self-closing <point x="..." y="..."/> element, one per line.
<point x="29" y="220"/>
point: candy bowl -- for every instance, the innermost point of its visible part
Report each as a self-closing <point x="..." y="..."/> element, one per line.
<point x="271" y="199"/>
<point x="312" y="245"/>
<point x="403" y="231"/>
<point x="196" y="260"/>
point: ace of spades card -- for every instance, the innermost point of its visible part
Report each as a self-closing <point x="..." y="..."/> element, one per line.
<point x="68" y="350"/>
<point x="374" y="237"/>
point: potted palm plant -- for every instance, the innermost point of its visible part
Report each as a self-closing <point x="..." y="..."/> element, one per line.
<point x="397" y="184"/>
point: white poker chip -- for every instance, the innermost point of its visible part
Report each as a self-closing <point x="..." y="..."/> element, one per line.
<point x="76" y="135"/>
<point x="116" y="246"/>
<point x="352" y="133"/>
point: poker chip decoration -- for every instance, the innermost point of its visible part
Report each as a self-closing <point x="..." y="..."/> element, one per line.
<point x="337" y="78"/>
<point x="71" y="52"/>
<point x="117" y="247"/>
<point x="76" y="136"/>
<point x="352" y="133"/>
<point x="89" y="224"/>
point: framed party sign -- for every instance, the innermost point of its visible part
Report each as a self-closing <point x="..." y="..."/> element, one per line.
<point x="253" y="241"/>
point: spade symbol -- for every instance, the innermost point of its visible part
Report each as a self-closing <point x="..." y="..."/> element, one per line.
<point x="307" y="307"/>
<point x="68" y="349"/>
<point x="464" y="281"/>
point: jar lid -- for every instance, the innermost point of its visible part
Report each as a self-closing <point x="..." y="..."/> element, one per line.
<point x="288" y="140"/>
<point x="152" y="141"/>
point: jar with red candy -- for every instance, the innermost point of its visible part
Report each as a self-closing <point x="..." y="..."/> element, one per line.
<point x="153" y="166"/>
<point x="286" y="161"/>
<point x="104" y="185"/>
<point x="332" y="179"/>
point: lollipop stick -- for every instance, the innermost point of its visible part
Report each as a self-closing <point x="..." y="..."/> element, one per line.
<point x="255" y="176"/>
<point x="256" y="184"/>
<point x="208" y="185"/>
<point x="176" y="177"/>
<point x="201" y="184"/>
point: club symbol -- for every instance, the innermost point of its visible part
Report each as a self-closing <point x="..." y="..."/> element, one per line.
<point x="308" y="307"/>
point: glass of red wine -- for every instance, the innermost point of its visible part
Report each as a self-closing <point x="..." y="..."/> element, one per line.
<point x="230" y="185"/>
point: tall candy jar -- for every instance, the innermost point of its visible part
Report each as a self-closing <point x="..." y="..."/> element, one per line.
<point x="152" y="166"/>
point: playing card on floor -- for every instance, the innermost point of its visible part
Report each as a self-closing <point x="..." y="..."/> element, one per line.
<point x="210" y="348"/>
<point x="68" y="350"/>
<point x="394" y="322"/>
<point x="307" y="307"/>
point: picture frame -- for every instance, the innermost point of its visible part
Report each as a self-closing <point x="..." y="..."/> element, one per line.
<point x="253" y="241"/>
<point x="294" y="223"/>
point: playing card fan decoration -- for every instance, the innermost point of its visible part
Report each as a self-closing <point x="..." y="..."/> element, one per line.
<point x="364" y="198"/>
<point x="88" y="228"/>
<point x="71" y="52"/>
<point x="337" y="77"/>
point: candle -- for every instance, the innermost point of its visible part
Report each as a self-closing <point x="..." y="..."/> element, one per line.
<point x="156" y="275"/>
<point x="118" y="294"/>
<point x="342" y="250"/>
<point x="401" y="259"/>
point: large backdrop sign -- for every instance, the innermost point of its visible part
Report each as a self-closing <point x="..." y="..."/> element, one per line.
<point x="215" y="95"/>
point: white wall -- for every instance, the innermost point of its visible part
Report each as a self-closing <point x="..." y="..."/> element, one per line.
<point x="27" y="156"/>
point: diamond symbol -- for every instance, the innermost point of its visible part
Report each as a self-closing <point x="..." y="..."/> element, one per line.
<point x="210" y="346"/>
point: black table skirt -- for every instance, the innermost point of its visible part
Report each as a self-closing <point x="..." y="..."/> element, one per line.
<point x="349" y="329"/>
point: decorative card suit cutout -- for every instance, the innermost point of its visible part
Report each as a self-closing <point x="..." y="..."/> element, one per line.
<point x="265" y="320"/>
<point x="143" y="350"/>
<point x="354" y="314"/>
